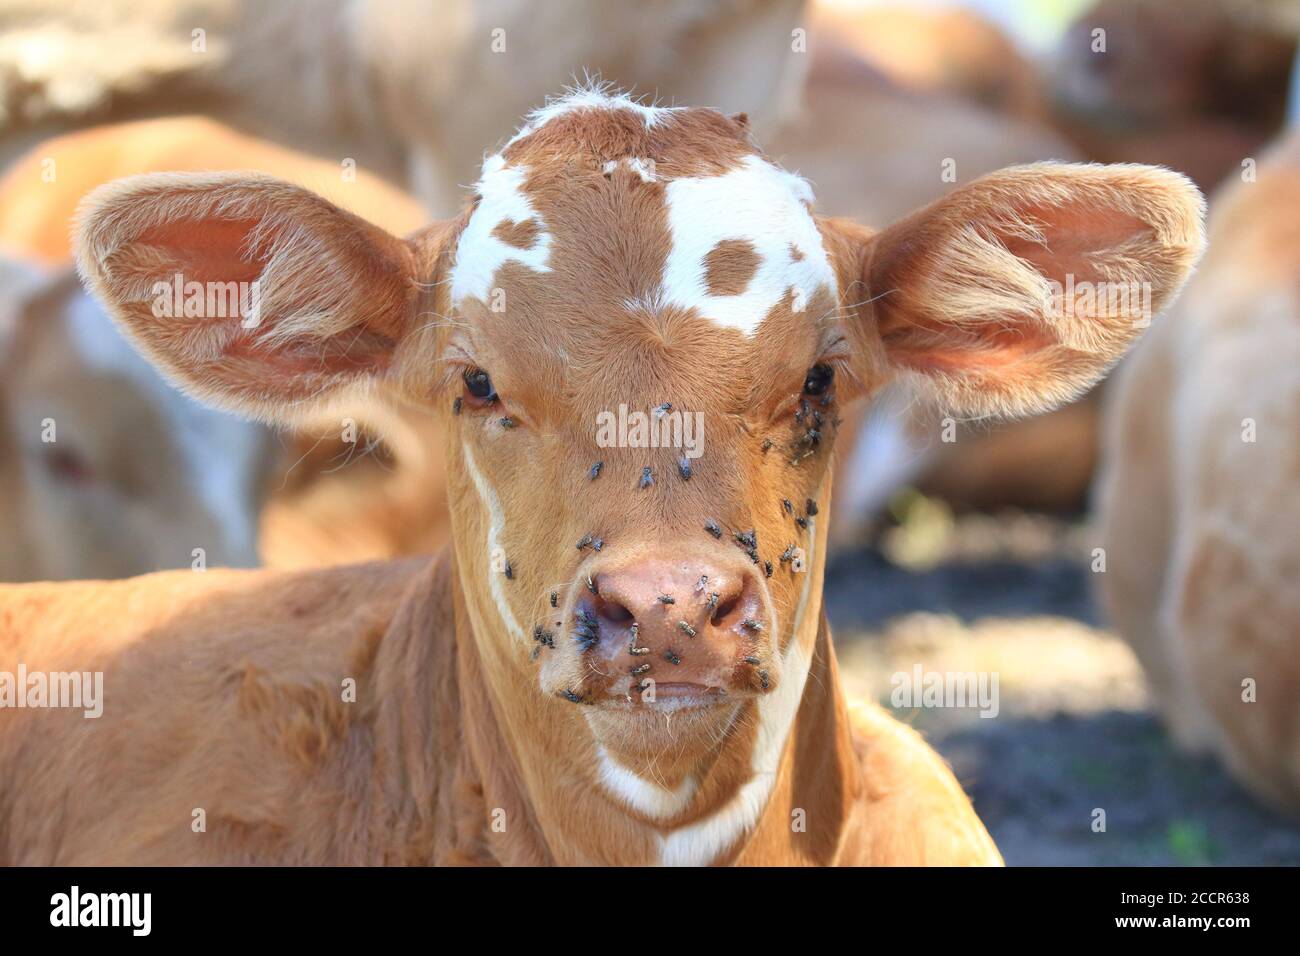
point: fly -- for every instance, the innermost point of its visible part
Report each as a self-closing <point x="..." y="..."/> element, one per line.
<point x="587" y="631"/>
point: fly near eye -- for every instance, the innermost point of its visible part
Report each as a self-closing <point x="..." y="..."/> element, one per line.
<point x="819" y="380"/>
<point x="479" y="384"/>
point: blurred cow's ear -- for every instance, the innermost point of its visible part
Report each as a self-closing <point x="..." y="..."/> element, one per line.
<point x="251" y="293"/>
<point x="1016" y="292"/>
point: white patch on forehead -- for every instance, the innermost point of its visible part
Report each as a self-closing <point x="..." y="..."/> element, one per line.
<point x="757" y="203"/>
<point x="222" y="454"/>
<point x="592" y="99"/>
<point x="644" y="168"/>
<point x="479" y="254"/>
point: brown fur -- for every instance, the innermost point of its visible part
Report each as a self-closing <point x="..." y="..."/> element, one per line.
<point x="729" y="267"/>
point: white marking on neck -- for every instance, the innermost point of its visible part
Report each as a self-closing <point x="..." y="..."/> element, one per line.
<point x="700" y="843"/>
<point x="479" y="254"/>
<point x="496" y="524"/>
<point x="763" y="205"/>
<point x="647" y="798"/>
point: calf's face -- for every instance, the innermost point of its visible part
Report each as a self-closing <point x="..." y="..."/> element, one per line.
<point x="642" y="336"/>
<point x="106" y="471"/>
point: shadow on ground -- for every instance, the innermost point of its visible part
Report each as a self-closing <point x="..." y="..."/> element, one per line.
<point x="1074" y="733"/>
<point x="1037" y="785"/>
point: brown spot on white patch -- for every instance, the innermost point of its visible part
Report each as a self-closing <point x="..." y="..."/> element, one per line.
<point x="521" y="235"/>
<point x="796" y="254"/>
<point x="729" y="267"/>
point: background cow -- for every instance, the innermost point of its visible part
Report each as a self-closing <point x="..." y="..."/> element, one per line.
<point x="1198" y="499"/>
<point x="362" y="484"/>
<point x="106" y="470"/>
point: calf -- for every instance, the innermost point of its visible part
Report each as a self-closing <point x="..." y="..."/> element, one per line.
<point x="622" y="658"/>
<point x="1198" y="498"/>
<point x="105" y="471"/>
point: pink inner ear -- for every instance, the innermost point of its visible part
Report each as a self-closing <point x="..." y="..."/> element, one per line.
<point x="217" y="250"/>
<point x="1073" y="236"/>
<point x="210" y="251"/>
<point x="933" y="346"/>
<point x="363" y="352"/>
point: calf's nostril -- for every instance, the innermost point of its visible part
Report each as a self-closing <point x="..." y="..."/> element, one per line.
<point x="613" y="612"/>
<point x="725" y="609"/>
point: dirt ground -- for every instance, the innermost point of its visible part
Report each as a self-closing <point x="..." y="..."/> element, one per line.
<point x="1074" y="732"/>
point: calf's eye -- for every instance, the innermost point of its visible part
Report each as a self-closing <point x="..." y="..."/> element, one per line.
<point x="479" y="385"/>
<point x="819" y="380"/>
<point x="68" y="466"/>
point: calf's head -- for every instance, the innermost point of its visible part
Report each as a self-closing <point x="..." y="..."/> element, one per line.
<point x="105" y="470"/>
<point x="642" y="337"/>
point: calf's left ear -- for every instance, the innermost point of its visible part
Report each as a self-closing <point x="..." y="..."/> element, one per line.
<point x="252" y="294"/>
<point x="1018" y="291"/>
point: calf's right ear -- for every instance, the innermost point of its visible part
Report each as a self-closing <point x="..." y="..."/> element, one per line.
<point x="250" y="293"/>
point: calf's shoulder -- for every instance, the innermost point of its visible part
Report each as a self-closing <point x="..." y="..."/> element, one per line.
<point x="910" y="810"/>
